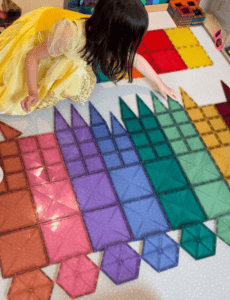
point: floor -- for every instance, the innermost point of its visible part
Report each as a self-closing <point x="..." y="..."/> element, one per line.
<point x="192" y="280"/>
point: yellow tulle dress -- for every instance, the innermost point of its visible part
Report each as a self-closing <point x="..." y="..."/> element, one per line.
<point x="64" y="74"/>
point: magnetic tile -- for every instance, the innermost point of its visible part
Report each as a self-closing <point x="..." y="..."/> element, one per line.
<point x="156" y="136"/>
<point x="70" y="152"/>
<point x="32" y="160"/>
<point x="57" y="172"/>
<point x="210" y="140"/>
<point x="112" y="161"/>
<point x="150" y="38"/>
<point x="3" y="187"/>
<point x="149" y="122"/>
<point x="188" y="130"/>
<point x="146" y="154"/>
<point x="47" y="140"/>
<point x="140" y="139"/>
<point x="179" y="147"/>
<point x="172" y="133"/>
<point x="106" y="146"/>
<point x="163" y="150"/>
<point x="123" y="142"/>
<point x="203" y="127"/>
<point x="65" y="137"/>
<point x="94" y="164"/>
<point x="75" y="168"/>
<point x="12" y="164"/>
<point x="16" y="181"/>
<point x="218" y="124"/>
<point x="130" y="157"/>
<point x="195" y="143"/>
<point x="52" y="156"/>
<point x="117" y="127"/>
<point x="28" y="144"/>
<point x="210" y="111"/>
<point x="83" y="134"/>
<point x="165" y="120"/>
<point x="8" y="131"/>
<point x="224" y="136"/>
<point x="88" y="149"/>
<point x="95" y="117"/>
<point x="100" y="131"/>
<point x="223" y="108"/>
<point x="76" y="119"/>
<point x="222" y="228"/>
<point x="180" y="117"/>
<point x="37" y="176"/>
<point x="16" y="211"/>
<point x="181" y="37"/>
<point x="222" y="159"/>
<point x="22" y="250"/>
<point x="65" y="238"/>
<point x="8" y="148"/>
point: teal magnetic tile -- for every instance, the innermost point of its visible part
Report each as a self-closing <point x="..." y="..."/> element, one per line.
<point x="133" y="125"/>
<point x="156" y="136"/>
<point x="165" y="119"/>
<point x="146" y="154"/>
<point x="179" y="147"/>
<point x="140" y="139"/>
<point x="195" y="143"/>
<point x="188" y="130"/>
<point x="163" y="150"/>
<point x="180" y="117"/>
<point x="172" y="133"/>
<point x="149" y="122"/>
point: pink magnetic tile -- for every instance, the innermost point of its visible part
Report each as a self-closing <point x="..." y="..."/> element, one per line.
<point x="155" y="40"/>
<point x="55" y="200"/>
<point x="28" y="144"/>
<point x="65" y="238"/>
<point x="52" y="156"/>
<point x="37" y="176"/>
<point x="78" y="276"/>
<point x="32" y="160"/>
<point x="57" y="172"/>
<point x="47" y="140"/>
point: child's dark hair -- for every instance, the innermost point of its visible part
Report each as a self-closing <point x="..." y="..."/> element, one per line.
<point x="117" y="28"/>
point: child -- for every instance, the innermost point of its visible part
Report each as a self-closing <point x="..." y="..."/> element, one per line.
<point x="50" y="54"/>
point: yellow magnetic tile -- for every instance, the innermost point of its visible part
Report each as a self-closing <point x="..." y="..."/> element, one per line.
<point x="187" y="101"/>
<point x="224" y="136"/>
<point x="181" y="37"/>
<point x="195" y="114"/>
<point x="218" y="124"/>
<point x="202" y="127"/>
<point x="210" y="140"/>
<point x="210" y="111"/>
<point x="222" y="159"/>
<point x="195" y="57"/>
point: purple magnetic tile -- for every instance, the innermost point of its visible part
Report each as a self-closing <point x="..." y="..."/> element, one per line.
<point x="70" y="152"/>
<point x="32" y="160"/>
<point x="52" y="156"/>
<point x="47" y="140"/>
<point x="59" y="122"/>
<point x="65" y="137"/>
<point x="121" y="263"/>
<point x="88" y="149"/>
<point x="75" y="168"/>
<point x="94" y="191"/>
<point x="94" y="164"/>
<point x="76" y="119"/>
<point x="106" y="227"/>
<point x="28" y="144"/>
<point x="83" y="134"/>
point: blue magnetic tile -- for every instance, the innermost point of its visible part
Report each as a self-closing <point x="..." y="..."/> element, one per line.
<point x="117" y="128"/>
<point x="95" y="117"/>
<point x="70" y="152"/>
<point x="100" y="131"/>
<point x="112" y="161"/>
<point x="106" y="146"/>
<point x="123" y="142"/>
<point x="59" y="122"/>
<point x="131" y="183"/>
<point x="145" y="217"/>
<point x="65" y="137"/>
<point x="130" y="157"/>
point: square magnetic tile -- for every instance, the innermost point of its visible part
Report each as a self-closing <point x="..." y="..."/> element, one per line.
<point x="83" y="134"/>
<point x="188" y="130"/>
<point x="94" y="164"/>
<point x="156" y="40"/>
<point x="130" y="157"/>
<point x="140" y="139"/>
<point x="195" y="114"/>
<point x="17" y="181"/>
<point x="32" y="160"/>
<point x="195" y="143"/>
<point x="28" y="144"/>
<point x="65" y="137"/>
<point x="101" y="131"/>
<point x="75" y="168"/>
<point x="146" y="154"/>
<point x="37" y="176"/>
<point x="210" y="140"/>
<point x="133" y="125"/>
<point x="123" y="142"/>
<point x="210" y="111"/>
<point x="149" y="122"/>
<point x="12" y="164"/>
<point x="57" y="172"/>
<point x="165" y="120"/>
<point x="203" y="127"/>
<point x="70" y="152"/>
<point x="112" y="161"/>
<point x="224" y="136"/>
<point x="179" y="147"/>
<point x="156" y="136"/>
<point x="8" y="148"/>
<point x="52" y="156"/>
<point x="163" y="150"/>
<point x="3" y="187"/>
<point x="218" y="124"/>
<point x="172" y="133"/>
<point x="47" y="140"/>
<point x="180" y="117"/>
<point x="88" y="149"/>
<point x="106" y="146"/>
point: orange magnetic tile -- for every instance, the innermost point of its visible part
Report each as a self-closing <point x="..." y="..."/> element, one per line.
<point x="210" y="140"/>
<point x="202" y="127"/>
<point x="224" y="136"/>
<point x="8" y="131"/>
<point x="137" y="74"/>
<point x="2" y="187"/>
<point x="12" y="164"/>
<point x="8" y="148"/>
<point x="195" y="114"/>
<point x="22" y="250"/>
<point x="218" y="124"/>
<point x="31" y="285"/>
<point x="16" y="211"/>
<point x="16" y="181"/>
<point x="210" y="111"/>
<point x="222" y="159"/>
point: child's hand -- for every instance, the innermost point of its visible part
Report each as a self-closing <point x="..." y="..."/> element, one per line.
<point x="29" y="101"/>
<point x="164" y="91"/>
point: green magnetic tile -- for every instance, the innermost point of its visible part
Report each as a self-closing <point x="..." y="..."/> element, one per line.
<point x="195" y="143"/>
<point x="143" y="108"/>
<point x="126" y="112"/>
<point x="214" y="198"/>
<point x="180" y="117"/>
<point x="165" y="119"/>
<point x="156" y="136"/>
<point x="149" y="122"/>
<point x="146" y="153"/>
<point x="223" y="228"/>
<point x="140" y="139"/>
<point x="182" y="208"/>
<point x="158" y="105"/>
<point x="165" y="175"/>
<point x="163" y="150"/>
<point x="179" y="147"/>
<point x="188" y="130"/>
<point x="172" y="133"/>
<point x="174" y="105"/>
<point x="199" y="167"/>
<point x="133" y="125"/>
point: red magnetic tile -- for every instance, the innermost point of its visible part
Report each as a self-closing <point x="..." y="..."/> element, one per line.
<point x="32" y="160"/>
<point x="55" y="200"/>
<point x="16" y="211"/>
<point x="22" y="250"/>
<point x="37" y="176"/>
<point x="12" y="164"/>
<point x="141" y="49"/>
<point x="8" y="148"/>
<point x="227" y="121"/>
<point x="47" y="140"/>
<point x="168" y="61"/>
<point x="156" y="40"/>
<point x="223" y="108"/>
<point x="226" y="90"/>
<point x="8" y="131"/>
<point x="57" y="172"/>
<point x="31" y="285"/>
<point x="65" y="238"/>
<point x="28" y="144"/>
<point x="16" y="181"/>
<point x="52" y="156"/>
<point x="2" y="187"/>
